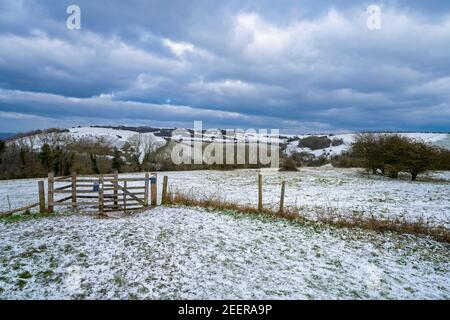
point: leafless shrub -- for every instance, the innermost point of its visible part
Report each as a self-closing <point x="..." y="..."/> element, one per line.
<point x="288" y="164"/>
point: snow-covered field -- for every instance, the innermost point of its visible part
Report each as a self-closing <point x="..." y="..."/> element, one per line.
<point x="170" y="253"/>
<point x="349" y="191"/>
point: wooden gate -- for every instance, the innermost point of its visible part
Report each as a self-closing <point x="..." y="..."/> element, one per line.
<point x="105" y="192"/>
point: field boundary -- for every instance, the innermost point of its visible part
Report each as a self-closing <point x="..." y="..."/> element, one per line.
<point x="108" y="195"/>
<point x="327" y="217"/>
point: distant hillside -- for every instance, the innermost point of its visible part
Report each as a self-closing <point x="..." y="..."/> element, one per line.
<point x="5" y="135"/>
<point x="339" y="143"/>
<point x="159" y="132"/>
<point x="327" y="145"/>
<point x="90" y="150"/>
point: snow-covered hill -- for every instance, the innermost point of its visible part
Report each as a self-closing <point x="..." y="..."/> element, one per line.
<point x="438" y="139"/>
<point x="118" y="137"/>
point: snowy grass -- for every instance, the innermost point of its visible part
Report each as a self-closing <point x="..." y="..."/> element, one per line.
<point x="326" y="215"/>
<point x="170" y="253"/>
<point x="347" y="191"/>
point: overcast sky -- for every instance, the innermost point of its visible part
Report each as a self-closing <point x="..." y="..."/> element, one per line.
<point x="300" y="66"/>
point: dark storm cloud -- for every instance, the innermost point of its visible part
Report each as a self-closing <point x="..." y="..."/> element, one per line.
<point x="300" y="65"/>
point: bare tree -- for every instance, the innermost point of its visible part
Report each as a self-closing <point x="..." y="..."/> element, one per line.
<point x="136" y="150"/>
<point x="142" y="148"/>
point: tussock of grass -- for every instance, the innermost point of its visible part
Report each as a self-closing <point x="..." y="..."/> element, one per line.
<point x="327" y="216"/>
<point x="23" y="217"/>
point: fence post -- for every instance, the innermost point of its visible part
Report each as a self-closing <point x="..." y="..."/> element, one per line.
<point x="100" y="194"/>
<point x="125" y="196"/>
<point x="116" y="189"/>
<point x="41" y="196"/>
<point x="50" y="190"/>
<point x="164" y="190"/>
<point x="260" y="201"/>
<point x="74" y="190"/>
<point x="154" y="190"/>
<point x="146" y="190"/>
<point x="283" y="186"/>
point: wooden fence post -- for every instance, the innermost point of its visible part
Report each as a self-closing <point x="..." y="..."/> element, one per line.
<point x="50" y="190"/>
<point x="164" y="190"/>
<point x="283" y="186"/>
<point x="41" y="197"/>
<point x="146" y="191"/>
<point x="100" y="194"/>
<point x="116" y="189"/>
<point x="260" y="201"/>
<point x="74" y="190"/>
<point x="124" y="196"/>
<point x="154" y="187"/>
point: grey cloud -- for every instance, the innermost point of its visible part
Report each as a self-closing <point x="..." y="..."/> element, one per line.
<point x="292" y="64"/>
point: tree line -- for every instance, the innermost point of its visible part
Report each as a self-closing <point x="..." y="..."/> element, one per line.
<point x="36" y="154"/>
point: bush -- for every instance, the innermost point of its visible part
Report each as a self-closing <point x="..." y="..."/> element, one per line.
<point x="290" y="139"/>
<point x="443" y="159"/>
<point x="288" y="164"/>
<point x="309" y="160"/>
<point x="346" y="161"/>
<point x="302" y="158"/>
<point x="392" y="153"/>
<point x="314" y="142"/>
<point x="337" y="142"/>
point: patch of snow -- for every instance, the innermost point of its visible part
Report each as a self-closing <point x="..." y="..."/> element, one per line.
<point x="178" y="253"/>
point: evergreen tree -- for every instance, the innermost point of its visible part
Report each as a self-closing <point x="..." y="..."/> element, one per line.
<point x="117" y="160"/>
<point x="94" y="164"/>
<point x="46" y="157"/>
<point x="2" y="149"/>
